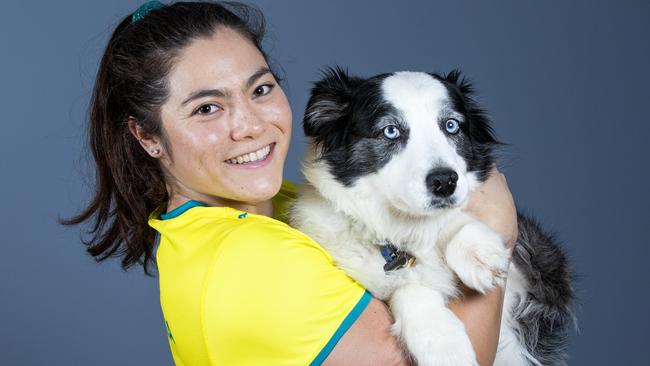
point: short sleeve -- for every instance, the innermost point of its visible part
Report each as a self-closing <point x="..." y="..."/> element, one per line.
<point x="274" y="297"/>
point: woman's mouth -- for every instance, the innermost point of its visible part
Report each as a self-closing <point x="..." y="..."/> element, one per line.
<point x="254" y="157"/>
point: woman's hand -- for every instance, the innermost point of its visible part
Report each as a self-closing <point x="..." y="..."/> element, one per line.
<point x="493" y="205"/>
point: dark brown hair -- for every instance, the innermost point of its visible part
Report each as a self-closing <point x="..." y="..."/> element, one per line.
<point x="132" y="83"/>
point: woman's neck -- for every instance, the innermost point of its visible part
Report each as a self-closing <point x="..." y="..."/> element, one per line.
<point x="261" y="208"/>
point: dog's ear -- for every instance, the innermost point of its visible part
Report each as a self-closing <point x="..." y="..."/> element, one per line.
<point x="463" y="85"/>
<point x="329" y="103"/>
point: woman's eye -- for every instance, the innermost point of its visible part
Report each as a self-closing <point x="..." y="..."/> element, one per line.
<point x="452" y="126"/>
<point x="391" y="132"/>
<point x="263" y="90"/>
<point x="207" y="109"/>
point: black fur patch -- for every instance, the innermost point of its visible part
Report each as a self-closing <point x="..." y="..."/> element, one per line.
<point x="345" y="116"/>
<point x="545" y="317"/>
<point x="476" y="142"/>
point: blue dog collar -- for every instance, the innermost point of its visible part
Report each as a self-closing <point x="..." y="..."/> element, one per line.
<point x="395" y="258"/>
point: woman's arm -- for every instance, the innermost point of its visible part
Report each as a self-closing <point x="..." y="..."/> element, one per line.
<point x="481" y="315"/>
<point x="369" y="342"/>
<point x="493" y="205"/>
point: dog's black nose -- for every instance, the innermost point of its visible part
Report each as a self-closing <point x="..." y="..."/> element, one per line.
<point x="442" y="182"/>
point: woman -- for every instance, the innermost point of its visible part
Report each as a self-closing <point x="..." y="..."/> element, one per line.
<point x="189" y="130"/>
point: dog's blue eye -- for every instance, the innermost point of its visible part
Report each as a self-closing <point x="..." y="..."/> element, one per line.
<point x="391" y="132"/>
<point x="452" y="126"/>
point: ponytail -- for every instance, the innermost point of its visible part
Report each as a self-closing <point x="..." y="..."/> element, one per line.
<point x="131" y="84"/>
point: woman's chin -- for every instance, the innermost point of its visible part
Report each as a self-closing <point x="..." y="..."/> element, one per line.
<point x="260" y="189"/>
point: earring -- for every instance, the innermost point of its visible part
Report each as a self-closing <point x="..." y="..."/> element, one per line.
<point x="155" y="151"/>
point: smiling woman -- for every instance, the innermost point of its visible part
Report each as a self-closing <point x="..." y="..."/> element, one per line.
<point x="130" y="91"/>
<point x="189" y="130"/>
<point x="227" y="123"/>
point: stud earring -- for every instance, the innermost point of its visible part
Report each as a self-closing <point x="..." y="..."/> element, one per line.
<point x="155" y="151"/>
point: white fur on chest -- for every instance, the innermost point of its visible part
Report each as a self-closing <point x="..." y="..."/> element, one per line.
<point x="447" y="245"/>
<point x="356" y="247"/>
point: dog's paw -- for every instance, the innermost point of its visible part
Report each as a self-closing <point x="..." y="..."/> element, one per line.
<point x="479" y="257"/>
<point x="440" y="340"/>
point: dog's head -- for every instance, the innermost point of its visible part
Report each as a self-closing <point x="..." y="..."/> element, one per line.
<point x="414" y="140"/>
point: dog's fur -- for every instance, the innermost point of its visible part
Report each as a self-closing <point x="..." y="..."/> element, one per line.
<point x="368" y="185"/>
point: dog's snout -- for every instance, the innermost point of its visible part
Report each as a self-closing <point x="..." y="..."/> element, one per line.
<point x="442" y="182"/>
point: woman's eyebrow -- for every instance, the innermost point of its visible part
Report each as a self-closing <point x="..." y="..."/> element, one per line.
<point x="225" y="94"/>
<point x="205" y="93"/>
<point x="258" y="74"/>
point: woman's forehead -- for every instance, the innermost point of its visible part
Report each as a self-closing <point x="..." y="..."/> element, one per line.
<point x="224" y="61"/>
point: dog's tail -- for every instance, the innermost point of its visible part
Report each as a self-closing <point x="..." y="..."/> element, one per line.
<point x="545" y="317"/>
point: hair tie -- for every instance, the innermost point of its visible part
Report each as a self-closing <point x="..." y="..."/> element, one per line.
<point x="144" y="9"/>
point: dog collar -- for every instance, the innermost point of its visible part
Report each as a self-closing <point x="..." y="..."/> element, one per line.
<point x="395" y="258"/>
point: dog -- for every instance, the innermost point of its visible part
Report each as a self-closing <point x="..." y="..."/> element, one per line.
<point x="389" y="167"/>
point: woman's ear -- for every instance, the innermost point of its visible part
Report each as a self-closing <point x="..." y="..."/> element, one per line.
<point x="151" y="144"/>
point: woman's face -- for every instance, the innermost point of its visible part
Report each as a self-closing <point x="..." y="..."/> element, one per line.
<point x="227" y="124"/>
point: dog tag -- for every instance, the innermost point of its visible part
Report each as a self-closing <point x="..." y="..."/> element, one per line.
<point x="396" y="259"/>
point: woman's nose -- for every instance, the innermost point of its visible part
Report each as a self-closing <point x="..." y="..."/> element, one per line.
<point x="246" y="123"/>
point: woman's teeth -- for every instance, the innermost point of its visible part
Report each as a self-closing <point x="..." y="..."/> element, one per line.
<point x="250" y="157"/>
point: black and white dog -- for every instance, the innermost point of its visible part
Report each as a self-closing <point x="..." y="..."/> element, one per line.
<point x="391" y="163"/>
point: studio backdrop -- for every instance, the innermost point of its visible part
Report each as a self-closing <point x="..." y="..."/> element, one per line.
<point x="565" y="82"/>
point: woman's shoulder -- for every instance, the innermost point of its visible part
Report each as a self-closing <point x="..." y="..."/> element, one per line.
<point x="274" y="290"/>
<point x="271" y="241"/>
<point x="260" y="285"/>
<point x="222" y="231"/>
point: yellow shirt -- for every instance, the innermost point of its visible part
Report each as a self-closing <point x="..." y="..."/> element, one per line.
<point x="245" y="289"/>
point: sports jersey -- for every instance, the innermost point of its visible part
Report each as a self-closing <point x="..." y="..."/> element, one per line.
<point x="244" y="289"/>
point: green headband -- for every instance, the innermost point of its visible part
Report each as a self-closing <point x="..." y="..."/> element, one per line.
<point x="144" y="9"/>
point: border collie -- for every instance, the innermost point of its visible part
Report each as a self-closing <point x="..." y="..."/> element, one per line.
<point x="391" y="162"/>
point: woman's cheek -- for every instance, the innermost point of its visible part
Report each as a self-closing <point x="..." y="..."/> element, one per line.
<point x="281" y="111"/>
<point x="212" y="138"/>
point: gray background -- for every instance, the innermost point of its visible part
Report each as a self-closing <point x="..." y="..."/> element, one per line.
<point x="565" y="81"/>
